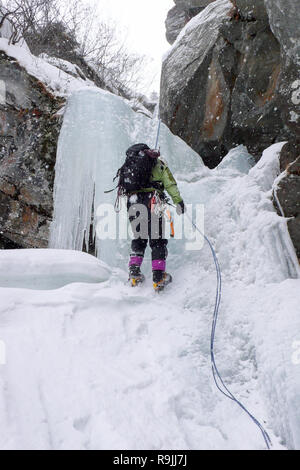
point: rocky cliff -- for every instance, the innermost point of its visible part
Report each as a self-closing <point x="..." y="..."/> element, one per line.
<point x="29" y="129"/>
<point x="232" y="77"/>
<point x="33" y="91"/>
<point x="181" y="14"/>
<point x="287" y="191"/>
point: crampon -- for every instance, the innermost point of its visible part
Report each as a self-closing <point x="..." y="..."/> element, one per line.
<point x="161" y="280"/>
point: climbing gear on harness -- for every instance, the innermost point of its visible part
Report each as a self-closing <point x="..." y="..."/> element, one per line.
<point x="220" y="384"/>
<point x="159" y="205"/>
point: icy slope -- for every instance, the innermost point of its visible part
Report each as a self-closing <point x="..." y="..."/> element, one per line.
<point x="102" y="366"/>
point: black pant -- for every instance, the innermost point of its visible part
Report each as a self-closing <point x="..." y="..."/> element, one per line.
<point x="146" y="226"/>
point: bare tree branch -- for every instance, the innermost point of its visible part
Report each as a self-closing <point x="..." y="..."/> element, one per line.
<point x="72" y="30"/>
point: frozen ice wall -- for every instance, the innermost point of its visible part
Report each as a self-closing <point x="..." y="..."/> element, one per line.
<point x="98" y="128"/>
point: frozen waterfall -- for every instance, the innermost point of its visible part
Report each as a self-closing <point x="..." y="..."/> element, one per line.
<point x="97" y="130"/>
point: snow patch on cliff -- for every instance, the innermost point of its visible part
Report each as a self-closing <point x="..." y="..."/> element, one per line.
<point x="58" y="81"/>
<point x="207" y="21"/>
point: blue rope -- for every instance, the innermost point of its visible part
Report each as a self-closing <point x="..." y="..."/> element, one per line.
<point x="158" y="133"/>
<point x="222" y="387"/>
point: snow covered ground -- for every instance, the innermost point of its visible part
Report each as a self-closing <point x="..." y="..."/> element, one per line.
<point x="49" y="269"/>
<point x="95" y="364"/>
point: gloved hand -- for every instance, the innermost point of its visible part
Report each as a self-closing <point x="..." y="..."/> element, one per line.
<point x="180" y="209"/>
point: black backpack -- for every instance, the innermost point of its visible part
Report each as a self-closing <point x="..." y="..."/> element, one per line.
<point x="136" y="172"/>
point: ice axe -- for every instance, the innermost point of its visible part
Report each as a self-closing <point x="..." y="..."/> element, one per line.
<point x="169" y="216"/>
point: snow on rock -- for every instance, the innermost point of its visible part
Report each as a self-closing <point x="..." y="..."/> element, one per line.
<point x="60" y="82"/>
<point x="268" y="168"/>
<point x="138" y="107"/>
<point x="206" y="23"/>
<point x="49" y="269"/>
<point x="238" y="159"/>
<point x="68" y="67"/>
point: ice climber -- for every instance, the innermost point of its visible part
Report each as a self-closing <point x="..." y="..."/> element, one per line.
<point x="144" y="178"/>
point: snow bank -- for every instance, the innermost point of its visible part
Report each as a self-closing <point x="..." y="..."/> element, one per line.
<point x="238" y="159"/>
<point x="57" y="80"/>
<point x="49" y="269"/>
<point x="275" y="318"/>
<point x="268" y="168"/>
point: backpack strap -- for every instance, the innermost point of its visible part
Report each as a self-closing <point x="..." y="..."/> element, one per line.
<point x="111" y="190"/>
<point x="116" y="177"/>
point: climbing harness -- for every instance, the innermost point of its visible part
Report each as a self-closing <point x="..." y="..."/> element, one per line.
<point x="158" y="204"/>
<point x="220" y="384"/>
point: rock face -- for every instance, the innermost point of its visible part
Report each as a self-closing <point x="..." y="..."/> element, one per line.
<point x="233" y="77"/>
<point x="288" y="192"/>
<point x="29" y="130"/>
<point x="195" y="97"/>
<point x="181" y="14"/>
<point x="192" y="3"/>
<point x="284" y="18"/>
<point x="176" y="20"/>
<point x="251" y="9"/>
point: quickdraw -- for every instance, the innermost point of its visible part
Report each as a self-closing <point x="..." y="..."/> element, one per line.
<point x="159" y="207"/>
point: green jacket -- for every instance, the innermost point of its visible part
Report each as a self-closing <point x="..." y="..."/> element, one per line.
<point x="164" y="180"/>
